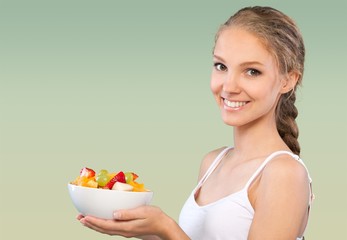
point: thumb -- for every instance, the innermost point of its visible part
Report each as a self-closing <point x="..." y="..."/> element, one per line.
<point x="129" y="214"/>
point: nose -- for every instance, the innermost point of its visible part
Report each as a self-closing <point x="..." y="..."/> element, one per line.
<point x="231" y="83"/>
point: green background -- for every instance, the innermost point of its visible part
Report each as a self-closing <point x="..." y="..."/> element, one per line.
<point x="124" y="85"/>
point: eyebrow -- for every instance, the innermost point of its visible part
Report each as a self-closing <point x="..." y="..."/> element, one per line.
<point x="242" y="64"/>
<point x="251" y="63"/>
<point x="218" y="57"/>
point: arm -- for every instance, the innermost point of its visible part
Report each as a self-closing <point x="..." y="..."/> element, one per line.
<point x="280" y="201"/>
<point x="147" y="222"/>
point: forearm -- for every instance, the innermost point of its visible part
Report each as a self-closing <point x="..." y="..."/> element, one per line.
<point x="173" y="231"/>
<point x="152" y="237"/>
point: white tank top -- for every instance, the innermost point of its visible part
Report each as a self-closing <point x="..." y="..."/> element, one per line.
<point x="228" y="218"/>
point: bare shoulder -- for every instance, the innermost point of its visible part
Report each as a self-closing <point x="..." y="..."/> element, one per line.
<point x="284" y="177"/>
<point x="208" y="159"/>
<point x="280" y="199"/>
<point x="287" y="168"/>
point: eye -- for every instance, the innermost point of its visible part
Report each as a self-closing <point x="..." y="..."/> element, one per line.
<point x="253" y="72"/>
<point x="220" y="67"/>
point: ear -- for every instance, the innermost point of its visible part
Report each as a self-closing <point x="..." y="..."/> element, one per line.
<point x="289" y="82"/>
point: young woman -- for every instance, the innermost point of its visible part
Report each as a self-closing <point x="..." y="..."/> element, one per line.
<point x="259" y="188"/>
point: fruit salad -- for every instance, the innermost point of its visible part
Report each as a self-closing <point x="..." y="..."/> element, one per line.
<point x="123" y="181"/>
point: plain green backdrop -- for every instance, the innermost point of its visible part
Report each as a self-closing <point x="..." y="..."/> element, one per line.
<point x="124" y="85"/>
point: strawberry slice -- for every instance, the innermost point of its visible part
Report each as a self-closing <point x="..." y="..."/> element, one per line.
<point x="119" y="177"/>
<point x="87" y="172"/>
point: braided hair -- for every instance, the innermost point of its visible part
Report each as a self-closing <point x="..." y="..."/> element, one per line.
<point x="283" y="40"/>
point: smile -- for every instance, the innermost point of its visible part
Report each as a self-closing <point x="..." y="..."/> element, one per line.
<point x="233" y="104"/>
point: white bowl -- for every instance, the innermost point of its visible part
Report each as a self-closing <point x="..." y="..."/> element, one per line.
<point x="102" y="203"/>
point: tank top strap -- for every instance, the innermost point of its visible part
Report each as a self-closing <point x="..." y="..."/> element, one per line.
<point x="266" y="161"/>
<point x="213" y="166"/>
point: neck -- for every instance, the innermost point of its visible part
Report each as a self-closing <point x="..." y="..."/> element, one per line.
<point x="257" y="140"/>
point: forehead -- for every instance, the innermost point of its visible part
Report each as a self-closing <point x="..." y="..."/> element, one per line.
<point x="237" y="44"/>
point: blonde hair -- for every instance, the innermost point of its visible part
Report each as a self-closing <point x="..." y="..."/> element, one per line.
<point x="283" y="40"/>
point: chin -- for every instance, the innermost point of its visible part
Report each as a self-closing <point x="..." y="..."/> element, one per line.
<point x="231" y="123"/>
<point x="235" y="122"/>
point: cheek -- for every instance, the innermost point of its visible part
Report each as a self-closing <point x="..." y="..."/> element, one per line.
<point x="267" y="90"/>
<point x="215" y="85"/>
<point x="269" y="97"/>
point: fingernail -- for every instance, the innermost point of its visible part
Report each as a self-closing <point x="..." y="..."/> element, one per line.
<point x="116" y="215"/>
<point x="83" y="221"/>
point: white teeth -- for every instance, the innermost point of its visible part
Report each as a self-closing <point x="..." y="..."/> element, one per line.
<point x="234" y="104"/>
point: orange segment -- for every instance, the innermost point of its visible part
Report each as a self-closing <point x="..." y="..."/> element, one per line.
<point x="138" y="187"/>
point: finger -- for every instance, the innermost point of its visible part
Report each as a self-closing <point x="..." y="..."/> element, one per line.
<point x="79" y="216"/>
<point x="96" y="224"/>
<point x="109" y="227"/>
<point x="95" y="228"/>
<point x="131" y="214"/>
<point x="104" y="224"/>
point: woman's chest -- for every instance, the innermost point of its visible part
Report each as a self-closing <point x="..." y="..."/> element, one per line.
<point x="225" y="180"/>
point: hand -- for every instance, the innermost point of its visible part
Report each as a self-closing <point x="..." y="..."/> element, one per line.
<point x="143" y="222"/>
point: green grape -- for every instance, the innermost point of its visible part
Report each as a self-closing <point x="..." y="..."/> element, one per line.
<point x="102" y="179"/>
<point x="103" y="172"/>
<point x="128" y="177"/>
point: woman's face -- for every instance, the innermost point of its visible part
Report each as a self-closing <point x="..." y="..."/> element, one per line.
<point x="245" y="80"/>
